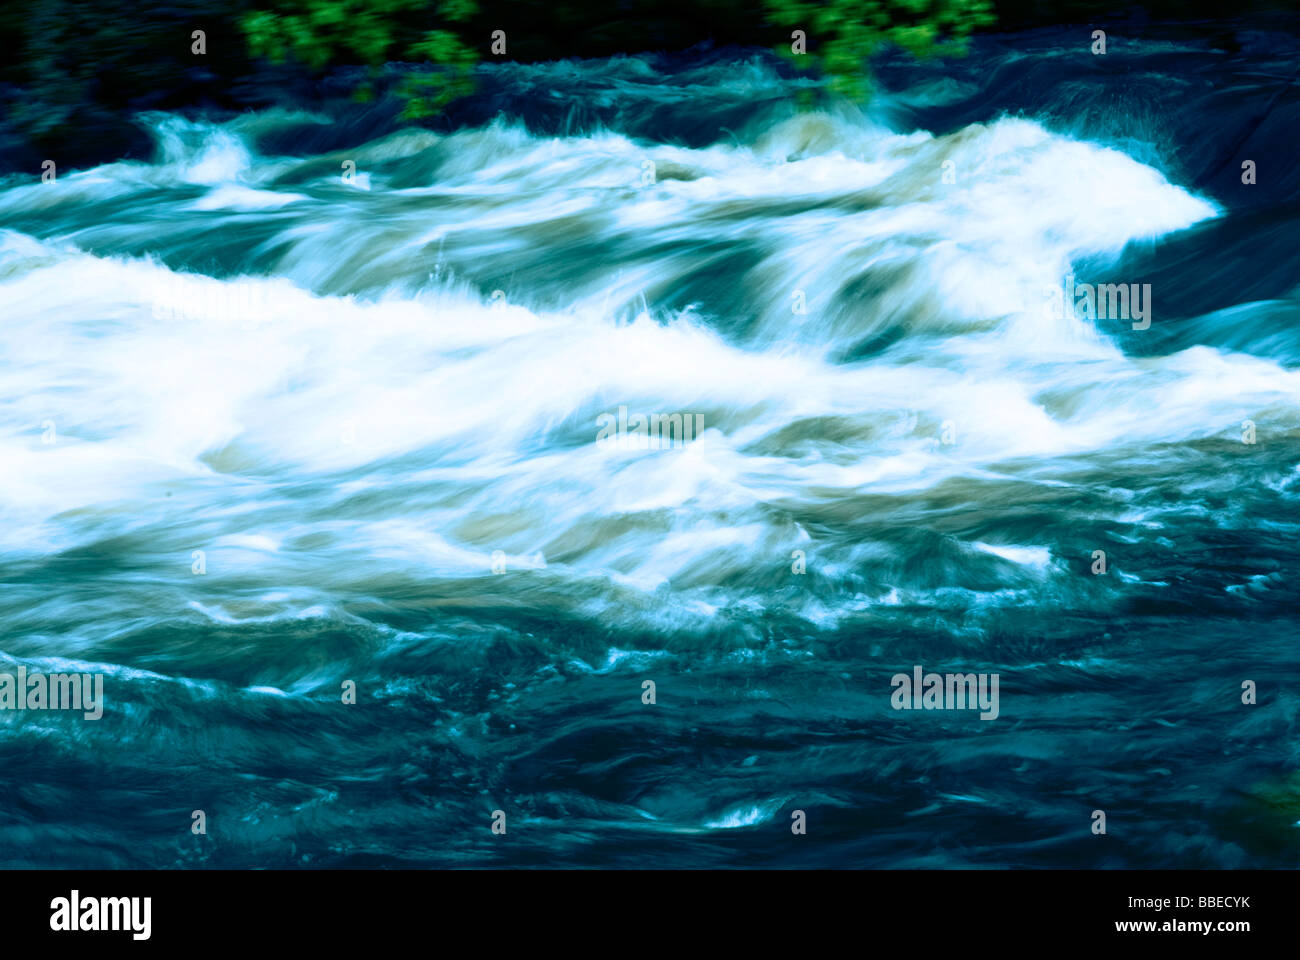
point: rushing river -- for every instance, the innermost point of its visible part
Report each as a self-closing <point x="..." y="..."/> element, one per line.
<point x="298" y="408"/>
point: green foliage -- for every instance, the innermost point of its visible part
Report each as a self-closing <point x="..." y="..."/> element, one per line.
<point x="843" y="34"/>
<point x="322" y="33"/>
<point x="76" y="72"/>
<point x="427" y="95"/>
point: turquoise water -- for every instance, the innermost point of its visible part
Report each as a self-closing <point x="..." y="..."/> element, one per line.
<point x="301" y="406"/>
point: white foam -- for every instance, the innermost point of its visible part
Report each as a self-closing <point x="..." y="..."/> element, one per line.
<point x="456" y="427"/>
